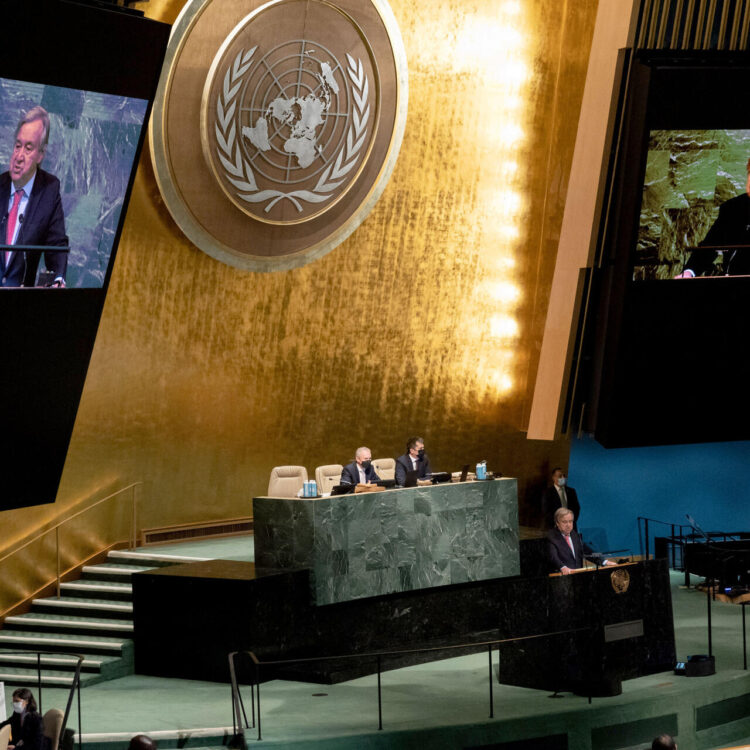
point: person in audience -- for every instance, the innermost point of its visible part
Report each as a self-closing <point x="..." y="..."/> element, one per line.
<point x="559" y="495"/>
<point x="360" y="471"/>
<point x="565" y="550"/>
<point x="415" y="459"/>
<point x="663" y="742"/>
<point x="25" y="722"/>
<point x="142" y="742"/>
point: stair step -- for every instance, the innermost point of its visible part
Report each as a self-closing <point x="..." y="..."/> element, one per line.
<point x="102" y="590"/>
<point x="154" y="559"/>
<point x="50" y="677"/>
<point x="112" y="571"/>
<point x="22" y="660"/>
<point x="67" y="623"/>
<point x="56" y="642"/>
<point x="69" y="604"/>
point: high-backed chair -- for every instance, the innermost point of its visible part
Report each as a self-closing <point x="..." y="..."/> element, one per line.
<point x="51" y="726"/>
<point x="327" y="477"/>
<point x="4" y="737"/>
<point x="286" y="481"/>
<point x="385" y="468"/>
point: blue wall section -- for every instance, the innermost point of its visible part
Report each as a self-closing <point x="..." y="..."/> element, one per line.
<point x="710" y="481"/>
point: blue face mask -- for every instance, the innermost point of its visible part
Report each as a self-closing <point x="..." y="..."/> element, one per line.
<point x="561" y="481"/>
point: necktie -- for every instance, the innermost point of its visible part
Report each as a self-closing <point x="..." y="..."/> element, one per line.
<point x="563" y="498"/>
<point x="570" y="544"/>
<point x="12" y="219"/>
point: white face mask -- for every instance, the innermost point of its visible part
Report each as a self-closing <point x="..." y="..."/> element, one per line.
<point x="18" y="706"/>
<point x="561" y="481"/>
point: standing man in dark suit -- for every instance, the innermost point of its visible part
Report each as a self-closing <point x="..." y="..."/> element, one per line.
<point x="415" y="459"/>
<point x="559" y="495"/>
<point x="31" y="207"/>
<point x="732" y="227"/>
<point x="360" y="470"/>
<point x="565" y="549"/>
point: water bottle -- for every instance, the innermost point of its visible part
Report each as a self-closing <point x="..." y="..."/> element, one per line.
<point x="313" y="488"/>
<point x="482" y="470"/>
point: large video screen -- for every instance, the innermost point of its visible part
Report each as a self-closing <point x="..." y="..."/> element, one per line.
<point x="72" y="154"/>
<point x="694" y="177"/>
<point x="76" y="85"/>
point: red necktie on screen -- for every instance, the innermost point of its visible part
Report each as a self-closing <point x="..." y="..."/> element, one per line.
<point x="12" y="219"/>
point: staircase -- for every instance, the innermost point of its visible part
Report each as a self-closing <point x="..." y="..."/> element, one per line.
<point x="93" y="617"/>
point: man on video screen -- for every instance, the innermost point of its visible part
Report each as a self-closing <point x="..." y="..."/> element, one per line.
<point x="732" y="227"/>
<point x="31" y="207"/>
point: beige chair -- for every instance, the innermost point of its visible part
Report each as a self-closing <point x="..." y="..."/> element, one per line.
<point x="385" y="468"/>
<point x="51" y="726"/>
<point x="286" y="481"/>
<point x="327" y="477"/>
<point x="4" y="737"/>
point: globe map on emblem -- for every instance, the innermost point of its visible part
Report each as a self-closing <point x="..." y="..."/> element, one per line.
<point x="293" y="111"/>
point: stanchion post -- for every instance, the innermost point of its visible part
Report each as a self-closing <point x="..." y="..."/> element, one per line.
<point x="380" y="701"/>
<point x="492" y="702"/>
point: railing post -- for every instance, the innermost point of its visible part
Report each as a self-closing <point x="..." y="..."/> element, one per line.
<point x="645" y="526"/>
<point x="57" y="556"/>
<point x="134" y="528"/>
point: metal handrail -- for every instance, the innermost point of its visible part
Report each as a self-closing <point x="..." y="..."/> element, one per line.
<point x="238" y="707"/>
<point x="75" y="688"/>
<point x="132" y="537"/>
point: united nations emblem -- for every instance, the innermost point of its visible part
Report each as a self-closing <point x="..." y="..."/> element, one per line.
<point x="300" y="112"/>
<point x="620" y="579"/>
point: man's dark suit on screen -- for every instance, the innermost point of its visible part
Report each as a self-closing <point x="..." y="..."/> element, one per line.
<point x="350" y="474"/>
<point x="732" y="227"/>
<point x="404" y="465"/>
<point x="551" y="502"/>
<point x="43" y="224"/>
<point x="559" y="553"/>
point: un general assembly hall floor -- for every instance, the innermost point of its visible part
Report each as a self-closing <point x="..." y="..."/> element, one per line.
<point x="443" y="704"/>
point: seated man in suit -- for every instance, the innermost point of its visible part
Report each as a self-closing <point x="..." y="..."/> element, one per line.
<point x="565" y="549"/>
<point x="31" y="207"/>
<point x="360" y="470"/>
<point x="559" y="495"/>
<point x="415" y="459"/>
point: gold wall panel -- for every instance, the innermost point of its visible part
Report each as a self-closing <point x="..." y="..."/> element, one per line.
<point x="427" y="320"/>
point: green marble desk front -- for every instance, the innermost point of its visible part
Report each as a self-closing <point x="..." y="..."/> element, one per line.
<point x="397" y="540"/>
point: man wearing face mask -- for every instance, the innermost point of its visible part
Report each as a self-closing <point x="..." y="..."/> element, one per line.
<point x="415" y="459"/>
<point x="559" y="495"/>
<point x="360" y="470"/>
<point x="25" y="722"/>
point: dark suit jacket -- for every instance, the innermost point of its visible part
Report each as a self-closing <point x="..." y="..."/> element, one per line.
<point x="559" y="552"/>
<point x="43" y="224"/>
<point x="350" y="474"/>
<point x="732" y="227"/>
<point x="30" y="732"/>
<point x="403" y="464"/>
<point x="551" y="502"/>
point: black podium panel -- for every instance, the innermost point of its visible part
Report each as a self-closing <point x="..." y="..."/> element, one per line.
<point x="189" y="617"/>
